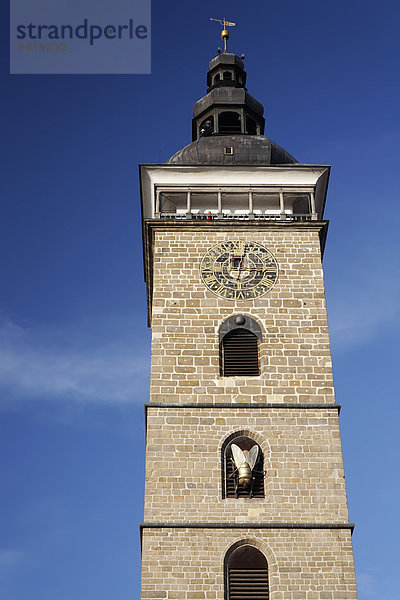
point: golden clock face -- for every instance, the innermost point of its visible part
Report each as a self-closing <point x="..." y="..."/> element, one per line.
<point x="239" y="270"/>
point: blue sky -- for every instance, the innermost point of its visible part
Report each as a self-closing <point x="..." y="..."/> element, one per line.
<point x="74" y="346"/>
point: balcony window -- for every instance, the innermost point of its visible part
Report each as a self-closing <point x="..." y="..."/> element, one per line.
<point x="204" y="204"/>
<point x="266" y="204"/>
<point x="297" y="204"/>
<point x="173" y="203"/>
<point x="235" y="204"/>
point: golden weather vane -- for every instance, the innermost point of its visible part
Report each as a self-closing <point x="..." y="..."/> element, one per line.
<point x="224" y="32"/>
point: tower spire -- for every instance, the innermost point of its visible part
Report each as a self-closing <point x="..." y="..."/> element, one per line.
<point x="225" y="31"/>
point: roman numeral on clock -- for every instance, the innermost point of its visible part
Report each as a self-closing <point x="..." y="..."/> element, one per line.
<point x="221" y="290"/>
<point x="266" y="282"/>
<point x="209" y="280"/>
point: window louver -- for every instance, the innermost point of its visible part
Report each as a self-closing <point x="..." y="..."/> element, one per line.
<point x="248" y="584"/>
<point x="247" y="575"/>
<point x="239" y="353"/>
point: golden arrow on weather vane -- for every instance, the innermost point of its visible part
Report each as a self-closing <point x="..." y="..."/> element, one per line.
<point x="224" y="32"/>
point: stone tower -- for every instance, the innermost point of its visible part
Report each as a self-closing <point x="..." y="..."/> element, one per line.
<point x="245" y="493"/>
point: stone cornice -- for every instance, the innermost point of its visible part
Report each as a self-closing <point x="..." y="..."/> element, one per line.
<point x="187" y="525"/>
<point x="239" y="405"/>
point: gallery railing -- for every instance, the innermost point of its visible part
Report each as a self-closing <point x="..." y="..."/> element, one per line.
<point x="208" y="216"/>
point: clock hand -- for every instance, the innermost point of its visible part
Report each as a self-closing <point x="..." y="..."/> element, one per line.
<point x="238" y="253"/>
<point x="239" y="268"/>
<point x="243" y="248"/>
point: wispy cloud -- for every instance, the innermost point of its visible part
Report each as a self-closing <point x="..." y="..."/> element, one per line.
<point x="375" y="583"/>
<point x="70" y="364"/>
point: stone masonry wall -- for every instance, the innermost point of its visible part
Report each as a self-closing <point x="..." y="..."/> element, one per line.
<point x="304" y="564"/>
<point x="304" y="480"/>
<point x="295" y="353"/>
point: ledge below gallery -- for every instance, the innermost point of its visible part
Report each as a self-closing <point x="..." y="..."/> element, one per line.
<point x="238" y="405"/>
<point x="247" y="525"/>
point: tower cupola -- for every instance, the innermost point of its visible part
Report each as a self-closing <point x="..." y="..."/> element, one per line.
<point x="226" y="70"/>
<point x="227" y="108"/>
<point x="228" y="123"/>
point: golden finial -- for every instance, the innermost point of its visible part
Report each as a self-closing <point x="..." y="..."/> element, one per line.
<point x="224" y="32"/>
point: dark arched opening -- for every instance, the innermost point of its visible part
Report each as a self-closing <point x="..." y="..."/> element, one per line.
<point x="251" y="126"/>
<point x="207" y="126"/>
<point x="230" y="483"/>
<point x="229" y="122"/>
<point x="246" y="574"/>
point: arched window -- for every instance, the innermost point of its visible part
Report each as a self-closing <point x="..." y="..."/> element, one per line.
<point x="207" y="126"/>
<point x="251" y="126"/>
<point x="229" y="122"/>
<point x="217" y="77"/>
<point x="227" y="75"/>
<point x="246" y="574"/>
<point x="241" y="480"/>
<point x="239" y="338"/>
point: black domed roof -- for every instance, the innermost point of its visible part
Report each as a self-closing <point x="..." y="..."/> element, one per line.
<point x="228" y="123"/>
<point x="245" y="150"/>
